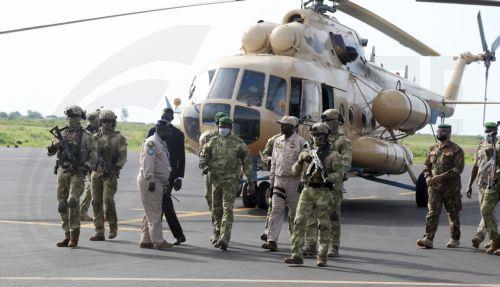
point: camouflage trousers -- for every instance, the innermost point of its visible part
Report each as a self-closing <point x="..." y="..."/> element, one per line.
<point x="481" y="229"/>
<point x="490" y="201"/>
<point x="312" y="224"/>
<point x="315" y="203"/>
<point x="70" y="185"/>
<point x="208" y="195"/>
<point x="452" y="201"/>
<point x="103" y="201"/>
<point x="223" y="195"/>
<point x="87" y="196"/>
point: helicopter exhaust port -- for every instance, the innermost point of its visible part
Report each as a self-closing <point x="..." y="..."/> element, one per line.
<point x="256" y="40"/>
<point x="399" y="111"/>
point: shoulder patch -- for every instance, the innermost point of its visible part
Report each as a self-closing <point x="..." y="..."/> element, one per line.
<point x="150" y="144"/>
<point x="151" y="151"/>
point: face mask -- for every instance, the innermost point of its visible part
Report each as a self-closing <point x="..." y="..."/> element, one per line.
<point x="490" y="137"/>
<point x="319" y="140"/>
<point x="224" y="132"/>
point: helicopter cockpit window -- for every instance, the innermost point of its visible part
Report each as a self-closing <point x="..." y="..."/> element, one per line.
<point x="191" y="121"/>
<point x="223" y="85"/>
<point x="246" y="124"/>
<point x="252" y="88"/>
<point x="310" y="105"/>
<point x="276" y="95"/>
<point x="201" y="85"/>
<point x="327" y="97"/>
<point x="209" y="111"/>
<point x="295" y="97"/>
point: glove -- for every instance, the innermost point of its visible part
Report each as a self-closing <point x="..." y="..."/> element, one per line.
<point x="204" y="171"/>
<point x="151" y="186"/>
<point x="177" y="184"/>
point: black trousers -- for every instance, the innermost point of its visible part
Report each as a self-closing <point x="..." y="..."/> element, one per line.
<point x="170" y="216"/>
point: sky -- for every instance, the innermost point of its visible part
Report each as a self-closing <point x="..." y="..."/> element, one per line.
<point x="135" y="61"/>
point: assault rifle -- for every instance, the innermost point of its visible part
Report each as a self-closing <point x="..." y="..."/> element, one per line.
<point x="67" y="154"/>
<point x="316" y="162"/>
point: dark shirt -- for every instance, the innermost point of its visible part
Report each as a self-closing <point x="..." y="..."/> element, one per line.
<point x="175" y="146"/>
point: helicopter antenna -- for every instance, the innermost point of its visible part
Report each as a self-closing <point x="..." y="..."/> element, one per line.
<point x="113" y="16"/>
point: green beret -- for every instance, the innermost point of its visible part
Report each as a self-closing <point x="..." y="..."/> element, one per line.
<point x="444" y="126"/>
<point x="491" y="125"/>
<point x="225" y="121"/>
<point x="219" y="115"/>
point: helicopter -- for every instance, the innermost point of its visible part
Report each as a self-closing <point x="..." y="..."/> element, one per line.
<point x="310" y="62"/>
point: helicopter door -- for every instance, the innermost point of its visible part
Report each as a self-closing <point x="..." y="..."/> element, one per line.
<point x="327" y="97"/>
<point x="310" y="107"/>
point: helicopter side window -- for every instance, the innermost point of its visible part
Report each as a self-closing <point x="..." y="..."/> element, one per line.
<point x="351" y="115"/>
<point x="201" y="86"/>
<point x="246" y="124"/>
<point x="310" y="105"/>
<point x="295" y="97"/>
<point x="224" y="83"/>
<point x="252" y="88"/>
<point x="327" y="97"/>
<point x="276" y="95"/>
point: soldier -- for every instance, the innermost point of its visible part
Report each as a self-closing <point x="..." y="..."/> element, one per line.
<point x="317" y="193"/>
<point x="76" y="155"/>
<point x="224" y="157"/>
<point x="286" y="151"/>
<point x="342" y="145"/>
<point x="154" y="173"/>
<point x="492" y="196"/>
<point x="93" y="128"/>
<point x="443" y="166"/>
<point x="111" y="157"/>
<point x="204" y="139"/>
<point x="481" y="170"/>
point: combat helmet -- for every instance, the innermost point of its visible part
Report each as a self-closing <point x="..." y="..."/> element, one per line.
<point x="75" y="110"/>
<point x="320" y="128"/>
<point x="332" y="114"/>
<point x="93" y="115"/>
<point x="107" y="115"/>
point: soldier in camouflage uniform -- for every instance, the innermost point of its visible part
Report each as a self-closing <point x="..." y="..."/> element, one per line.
<point x="492" y="197"/>
<point x="342" y="145"/>
<point x="73" y="165"/>
<point x="204" y="139"/>
<point x="224" y="157"/>
<point x="317" y="194"/>
<point x="93" y="128"/>
<point x="443" y="166"/>
<point x="481" y="169"/>
<point x="111" y="157"/>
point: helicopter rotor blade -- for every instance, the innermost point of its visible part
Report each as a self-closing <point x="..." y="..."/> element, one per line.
<point x="466" y="2"/>
<point x="495" y="44"/>
<point x="385" y="27"/>
<point x="113" y="16"/>
<point x="481" y="32"/>
<point x="485" y="92"/>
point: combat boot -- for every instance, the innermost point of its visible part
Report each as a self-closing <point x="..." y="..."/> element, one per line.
<point x="73" y="241"/>
<point x="263" y="237"/>
<point x="270" y="245"/>
<point x="294" y="260"/>
<point x="112" y="234"/>
<point x="425" y="242"/>
<point x="147" y="245"/>
<point x="63" y="243"/>
<point x="321" y="261"/>
<point x="163" y="246"/>
<point x="487" y="245"/>
<point x="85" y="217"/>
<point x="309" y="252"/>
<point x="97" y="237"/>
<point x="493" y="247"/>
<point x="222" y="245"/>
<point x="497" y="252"/>
<point x="476" y="241"/>
<point x="453" y="243"/>
<point x="334" y="252"/>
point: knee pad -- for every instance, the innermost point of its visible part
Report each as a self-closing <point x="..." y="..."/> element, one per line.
<point x="73" y="202"/>
<point x="62" y="206"/>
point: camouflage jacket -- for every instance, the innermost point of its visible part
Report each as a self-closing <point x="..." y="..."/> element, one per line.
<point x="205" y="137"/>
<point x="332" y="163"/>
<point x="225" y="157"/>
<point x="111" y="152"/>
<point x="446" y="160"/>
<point x="343" y="146"/>
<point x="483" y="154"/>
<point x="83" y="146"/>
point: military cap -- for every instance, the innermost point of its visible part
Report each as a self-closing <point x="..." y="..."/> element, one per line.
<point x="444" y="126"/>
<point x="107" y="115"/>
<point x="320" y="128"/>
<point x="330" y="114"/>
<point x="289" y="120"/>
<point x="74" y="110"/>
<point x="219" y="115"/>
<point x="163" y="123"/>
<point x="491" y="125"/>
<point x="225" y="121"/>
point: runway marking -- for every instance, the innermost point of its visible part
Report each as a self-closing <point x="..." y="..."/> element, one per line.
<point x="238" y="280"/>
<point x="406" y="193"/>
<point x="363" y="197"/>
<point x="87" y="225"/>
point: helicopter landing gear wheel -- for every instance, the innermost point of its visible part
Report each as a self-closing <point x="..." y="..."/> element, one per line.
<point x="249" y="200"/>
<point x="421" y="195"/>
<point x="262" y="194"/>
<point x="239" y="189"/>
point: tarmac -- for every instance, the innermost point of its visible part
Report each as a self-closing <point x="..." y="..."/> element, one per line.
<point x="380" y="225"/>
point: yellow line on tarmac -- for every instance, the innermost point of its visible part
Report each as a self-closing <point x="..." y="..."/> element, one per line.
<point x="250" y="216"/>
<point x="253" y="281"/>
<point x="362" y="197"/>
<point x="87" y="225"/>
<point x="406" y="193"/>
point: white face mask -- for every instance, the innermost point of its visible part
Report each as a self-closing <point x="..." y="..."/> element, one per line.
<point x="224" y="132"/>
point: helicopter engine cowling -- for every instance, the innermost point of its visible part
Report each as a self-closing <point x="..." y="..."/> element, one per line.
<point x="400" y="111"/>
<point x="256" y="39"/>
<point x="285" y="39"/>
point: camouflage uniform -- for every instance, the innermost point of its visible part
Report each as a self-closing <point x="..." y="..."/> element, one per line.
<point x="111" y="157"/>
<point x="204" y="139"/>
<point x="490" y="200"/>
<point x="70" y="176"/>
<point x="224" y="157"/>
<point x="448" y="161"/>
<point x="316" y="196"/>
<point x="483" y="154"/>
<point x="87" y="193"/>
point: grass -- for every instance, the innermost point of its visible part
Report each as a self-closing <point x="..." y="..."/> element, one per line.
<point x="35" y="133"/>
